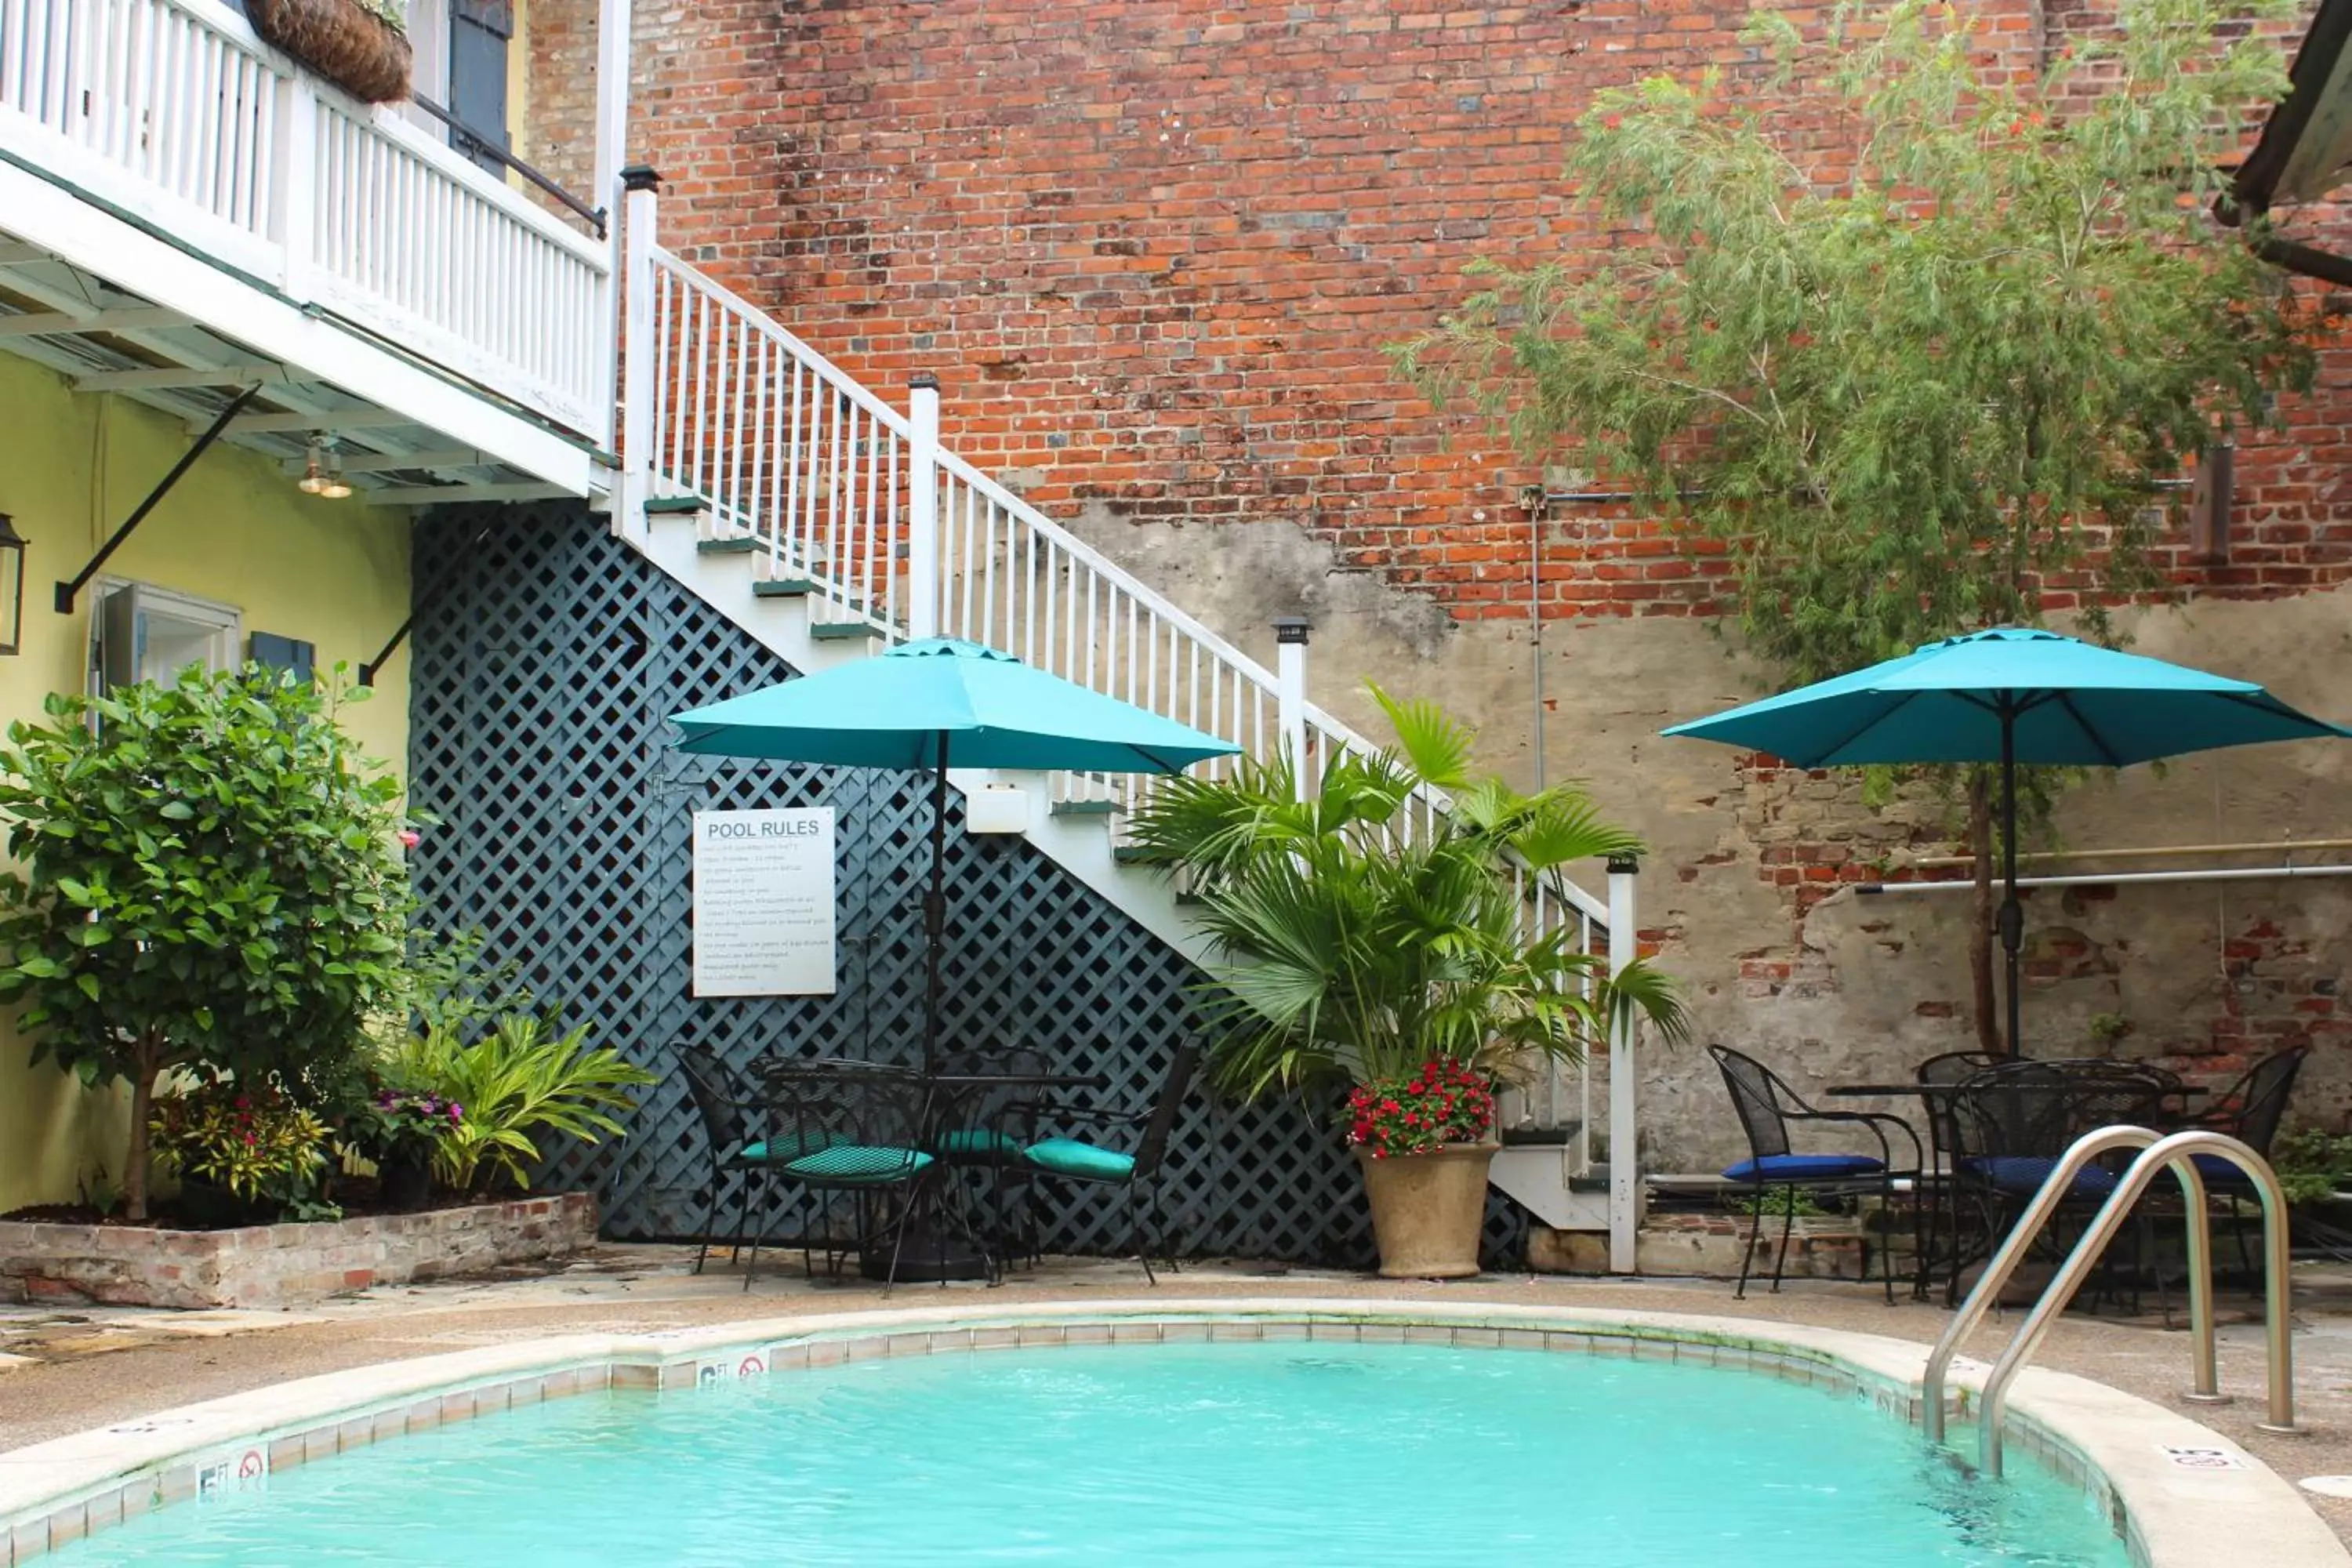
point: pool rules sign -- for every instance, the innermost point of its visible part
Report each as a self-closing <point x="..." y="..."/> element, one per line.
<point x="764" y="903"/>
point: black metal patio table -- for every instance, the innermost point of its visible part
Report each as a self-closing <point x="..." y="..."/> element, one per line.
<point x="939" y="1242"/>
<point x="1937" y="1176"/>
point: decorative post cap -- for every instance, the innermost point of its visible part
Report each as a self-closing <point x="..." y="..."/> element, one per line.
<point x="1624" y="864"/>
<point x="640" y="177"/>
<point x="924" y="380"/>
<point x="1290" y="629"/>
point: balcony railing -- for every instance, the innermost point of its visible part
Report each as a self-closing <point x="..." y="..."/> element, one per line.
<point x="174" y="112"/>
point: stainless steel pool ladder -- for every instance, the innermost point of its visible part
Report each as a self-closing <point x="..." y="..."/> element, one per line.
<point x="2158" y="1154"/>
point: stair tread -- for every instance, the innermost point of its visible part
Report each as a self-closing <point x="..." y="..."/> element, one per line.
<point x="742" y="546"/>
<point x="843" y="631"/>
<point x="782" y="588"/>
<point x="673" y="506"/>
<point x="1084" y="807"/>
<point x="1541" y="1137"/>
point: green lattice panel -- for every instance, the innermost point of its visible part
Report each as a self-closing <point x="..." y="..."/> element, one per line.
<point x="548" y="655"/>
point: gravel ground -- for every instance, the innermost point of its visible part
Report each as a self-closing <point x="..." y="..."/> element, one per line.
<point x="69" y="1370"/>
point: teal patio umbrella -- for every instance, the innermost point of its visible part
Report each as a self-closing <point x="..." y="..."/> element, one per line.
<point x="923" y="702"/>
<point x="2009" y="696"/>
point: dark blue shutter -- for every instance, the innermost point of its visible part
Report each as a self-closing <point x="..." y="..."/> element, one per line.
<point x="273" y="652"/>
<point x="478" y="32"/>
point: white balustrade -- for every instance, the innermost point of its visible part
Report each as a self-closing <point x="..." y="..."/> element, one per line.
<point x="175" y="113"/>
<point x="828" y="482"/>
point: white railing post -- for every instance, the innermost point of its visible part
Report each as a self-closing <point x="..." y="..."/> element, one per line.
<point x="1290" y="695"/>
<point x="611" y="129"/>
<point x="1624" y="1138"/>
<point x="923" y="582"/>
<point x="642" y="186"/>
<point x="294" y="186"/>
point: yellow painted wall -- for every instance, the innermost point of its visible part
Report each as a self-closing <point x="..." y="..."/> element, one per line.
<point x="235" y="530"/>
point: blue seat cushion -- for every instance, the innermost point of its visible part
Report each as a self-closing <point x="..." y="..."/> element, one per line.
<point x="1076" y="1157"/>
<point x="2026" y="1172"/>
<point x="2219" y="1171"/>
<point x="1804" y="1168"/>
<point x="857" y="1163"/>
<point x="977" y="1143"/>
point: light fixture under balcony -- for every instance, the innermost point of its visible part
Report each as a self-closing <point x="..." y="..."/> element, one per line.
<point x="322" y="471"/>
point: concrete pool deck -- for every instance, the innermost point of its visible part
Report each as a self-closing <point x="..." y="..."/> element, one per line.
<point x="80" y="1369"/>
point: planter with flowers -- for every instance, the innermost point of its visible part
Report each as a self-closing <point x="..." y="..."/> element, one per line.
<point x="402" y="1133"/>
<point x="1403" y="965"/>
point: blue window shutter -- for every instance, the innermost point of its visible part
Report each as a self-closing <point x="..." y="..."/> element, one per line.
<point x="274" y="652"/>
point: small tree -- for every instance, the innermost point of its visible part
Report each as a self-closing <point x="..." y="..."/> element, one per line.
<point x="1907" y="398"/>
<point x="209" y="880"/>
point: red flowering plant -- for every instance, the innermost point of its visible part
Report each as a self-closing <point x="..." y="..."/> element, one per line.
<point x="1440" y="1103"/>
<point x="247" y="1138"/>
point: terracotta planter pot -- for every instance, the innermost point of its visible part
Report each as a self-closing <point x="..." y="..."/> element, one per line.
<point x="1428" y="1210"/>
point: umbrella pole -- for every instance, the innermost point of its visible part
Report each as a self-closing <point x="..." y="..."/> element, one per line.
<point x="935" y="909"/>
<point x="2012" y="921"/>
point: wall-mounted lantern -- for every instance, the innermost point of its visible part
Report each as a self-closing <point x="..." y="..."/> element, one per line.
<point x="12" y="586"/>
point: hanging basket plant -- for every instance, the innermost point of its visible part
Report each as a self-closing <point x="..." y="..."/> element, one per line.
<point x="361" y="45"/>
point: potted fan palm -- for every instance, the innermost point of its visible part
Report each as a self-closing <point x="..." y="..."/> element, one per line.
<point x="1404" y="964"/>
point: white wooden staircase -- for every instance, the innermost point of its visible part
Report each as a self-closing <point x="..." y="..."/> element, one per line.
<point x="827" y="525"/>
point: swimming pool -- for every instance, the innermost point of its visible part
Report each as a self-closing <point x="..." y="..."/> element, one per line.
<point x="1249" y="1455"/>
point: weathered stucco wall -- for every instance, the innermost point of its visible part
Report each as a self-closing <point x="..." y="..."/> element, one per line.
<point x="1828" y="984"/>
<point x="236" y="532"/>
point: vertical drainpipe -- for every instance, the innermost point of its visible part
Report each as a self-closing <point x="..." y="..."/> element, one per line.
<point x="1532" y="502"/>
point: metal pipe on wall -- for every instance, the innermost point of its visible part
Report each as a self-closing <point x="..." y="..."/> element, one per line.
<point x="2147" y="852"/>
<point x="2228" y="874"/>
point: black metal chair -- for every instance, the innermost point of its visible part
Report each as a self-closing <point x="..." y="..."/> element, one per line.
<point x="1940" y="1193"/>
<point x="2014" y="1123"/>
<point x="1087" y="1162"/>
<point x="2249" y="1110"/>
<point x="984" y="1131"/>
<point x="1767" y="1107"/>
<point x="732" y="1124"/>
<point x="853" y="1129"/>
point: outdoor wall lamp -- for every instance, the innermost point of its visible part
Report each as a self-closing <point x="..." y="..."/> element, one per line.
<point x="322" y="471"/>
<point x="12" y="586"/>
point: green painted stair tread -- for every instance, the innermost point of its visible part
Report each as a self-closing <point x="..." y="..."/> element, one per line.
<point x="843" y="631"/>
<point x="782" y="588"/>
<point x="743" y="545"/>
<point x="1083" y="808"/>
<point x="673" y="506"/>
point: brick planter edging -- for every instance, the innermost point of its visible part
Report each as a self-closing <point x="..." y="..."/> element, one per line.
<point x="282" y="1265"/>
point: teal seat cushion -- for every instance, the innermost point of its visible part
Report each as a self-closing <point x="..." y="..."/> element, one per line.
<point x="977" y="1143"/>
<point x="1072" y="1157"/>
<point x="779" y="1149"/>
<point x="857" y="1163"/>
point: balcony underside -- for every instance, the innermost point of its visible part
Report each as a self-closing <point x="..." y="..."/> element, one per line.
<point x="442" y="441"/>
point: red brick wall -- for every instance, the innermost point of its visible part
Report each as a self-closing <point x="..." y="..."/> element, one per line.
<point x="1154" y="249"/>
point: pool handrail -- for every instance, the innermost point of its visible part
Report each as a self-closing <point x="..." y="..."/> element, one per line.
<point x="2175" y="1153"/>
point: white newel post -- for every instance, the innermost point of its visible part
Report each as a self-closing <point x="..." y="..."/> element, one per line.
<point x="1290" y="693"/>
<point x="294" y="184"/>
<point x="1624" y="1140"/>
<point x="612" y="132"/>
<point x="638" y="352"/>
<point x="923" y="586"/>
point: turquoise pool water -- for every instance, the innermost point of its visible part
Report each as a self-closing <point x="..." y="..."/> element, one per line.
<point x="1244" y="1455"/>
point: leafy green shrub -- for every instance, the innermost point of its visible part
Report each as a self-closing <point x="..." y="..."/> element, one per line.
<point x="210" y="880"/>
<point x="521" y="1081"/>
<point x="2311" y="1164"/>
<point x="249" y="1138"/>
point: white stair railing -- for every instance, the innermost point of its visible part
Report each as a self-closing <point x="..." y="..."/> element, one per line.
<point x="826" y="483"/>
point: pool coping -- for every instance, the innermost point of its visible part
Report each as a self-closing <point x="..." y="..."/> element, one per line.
<point x="2171" y="1514"/>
